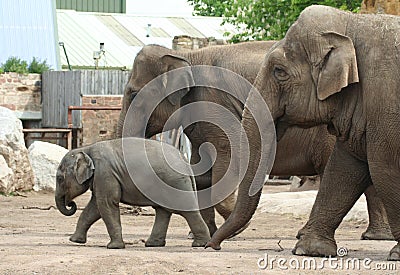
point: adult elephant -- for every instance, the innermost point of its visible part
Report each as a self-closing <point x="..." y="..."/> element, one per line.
<point x="300" y="152"/>
<point x="153" y="61"/>
<point x="342" y="70"/>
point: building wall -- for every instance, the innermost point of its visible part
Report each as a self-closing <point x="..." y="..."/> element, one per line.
<point x="109" y="6"/>
<point x="22" y="94"/>
<point x="28" y="29"/>
<point x="99" y="125"/>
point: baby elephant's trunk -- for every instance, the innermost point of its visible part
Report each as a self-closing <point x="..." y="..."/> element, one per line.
<point x="62" y="206"/>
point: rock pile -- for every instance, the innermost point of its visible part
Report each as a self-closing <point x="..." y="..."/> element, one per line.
<point x="15" y="169"/>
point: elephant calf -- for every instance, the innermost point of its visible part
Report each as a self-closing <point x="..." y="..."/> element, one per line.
<point x="108" y="171"/>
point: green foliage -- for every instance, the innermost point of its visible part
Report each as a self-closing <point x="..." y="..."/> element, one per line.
<point x="38" y="67"/>
<point x="263" y="19"/>
<point x="210" y="7"/>
<point x="14" y="64"/>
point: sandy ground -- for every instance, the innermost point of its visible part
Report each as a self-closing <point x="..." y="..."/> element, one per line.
<point x="35" y="241"/>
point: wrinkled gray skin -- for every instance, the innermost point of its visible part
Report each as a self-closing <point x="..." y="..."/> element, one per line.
<point x="339" y="69"/>
<point x="299" y="152"/>
<point x="100" y="167"/>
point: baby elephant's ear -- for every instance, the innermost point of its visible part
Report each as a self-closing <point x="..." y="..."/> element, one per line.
<point x="83" y="168"/>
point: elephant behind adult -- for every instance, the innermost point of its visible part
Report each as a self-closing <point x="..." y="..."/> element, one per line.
<point x="301" y="151"/>
<point x="153" y="60"/>
<point x="339" y="69"/>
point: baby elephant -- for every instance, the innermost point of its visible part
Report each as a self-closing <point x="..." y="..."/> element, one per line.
<point x="107" y="170"/>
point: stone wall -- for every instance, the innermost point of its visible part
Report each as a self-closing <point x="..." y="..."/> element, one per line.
<point x="22" y="94"/>
<point x="185" y="42"/>
<point x="381" y="6"/>
<point x="99" y="124"/>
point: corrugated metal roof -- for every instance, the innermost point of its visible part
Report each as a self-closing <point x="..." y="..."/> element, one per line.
<point x="124" y="35"/>
<point x="111" y="23"/>
<point x="27" y="30"/>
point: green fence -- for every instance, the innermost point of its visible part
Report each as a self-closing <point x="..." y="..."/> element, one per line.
<point x="110" y="6"/>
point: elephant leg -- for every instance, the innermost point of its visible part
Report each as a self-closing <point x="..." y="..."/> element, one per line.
<point x="203" y="182"/>
<point x="385" y="175"/>
<point x="88" y="217"/>
<point x="220" y="168"/>
<point x="225" y="207"/>
<point x="208" y="215"/>
<point x="345" y="179"/>
<point x="198" y="227"/>
<point x="108" y="205"/>
<point x="378" y="228"/>
<point x="160" y="227"/>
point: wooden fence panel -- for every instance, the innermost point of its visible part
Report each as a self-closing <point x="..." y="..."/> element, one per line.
<point x="61" y="89"/>
<point x="104" y="82"/>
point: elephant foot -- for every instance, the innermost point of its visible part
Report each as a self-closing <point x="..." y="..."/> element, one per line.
<point x="78" y="238"/>
<point x="199" y="242"/>
<point x="377" y="234"/>
<point x="315" y="246"/>
<point x="154" y="243"/>
<point x="213" y="245"/>
<point x="116" y="245"/>
<point x="394" y="254"/>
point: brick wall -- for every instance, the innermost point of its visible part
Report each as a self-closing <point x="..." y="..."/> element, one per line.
<point x="21" y="93"/>
<point x="99" y="124"/>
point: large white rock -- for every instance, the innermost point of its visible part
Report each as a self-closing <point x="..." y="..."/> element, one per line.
<point x="45" y="158"/>
<point x="6" y="174"/>
<point x="300" y="204"/>
<point x="14" y="154"/>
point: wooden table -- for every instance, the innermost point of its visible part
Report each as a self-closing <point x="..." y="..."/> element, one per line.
<point x="66" y="134"/>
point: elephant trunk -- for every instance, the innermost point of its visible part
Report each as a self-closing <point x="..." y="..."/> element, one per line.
<point x="120" y="124"/>
<point x="62" y="206"/>
<point x="248" y="196"/>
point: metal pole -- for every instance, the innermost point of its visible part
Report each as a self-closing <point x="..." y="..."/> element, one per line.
<point x="66" y="56"/>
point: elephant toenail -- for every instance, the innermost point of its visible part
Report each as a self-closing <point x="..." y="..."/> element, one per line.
<point x="394" y="256"/>
<point x="298" y="251"/>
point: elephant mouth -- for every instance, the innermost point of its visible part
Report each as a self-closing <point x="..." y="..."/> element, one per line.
<point x="280" y="128"/>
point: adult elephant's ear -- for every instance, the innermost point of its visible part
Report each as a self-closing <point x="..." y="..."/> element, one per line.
<point x="179" y="81"/>
<point x="83" y="168"/>
<point x="338" y="67"/>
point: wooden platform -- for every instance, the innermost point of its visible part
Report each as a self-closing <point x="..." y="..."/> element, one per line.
<point x="49" y="134"/>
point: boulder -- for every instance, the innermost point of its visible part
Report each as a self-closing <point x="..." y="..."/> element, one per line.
<point x="16" y="172"/>
<point x="299" y="204"/>
<point x="45" y="158"/>
<point x="6" y="174"/>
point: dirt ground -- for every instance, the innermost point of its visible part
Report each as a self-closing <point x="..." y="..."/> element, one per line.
<point x="35" y="241"/>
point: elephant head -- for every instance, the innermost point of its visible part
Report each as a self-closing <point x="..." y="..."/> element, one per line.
<point x="153" y="61"/>
<point x="302" y="79"/>
<point x="73" y="178"/>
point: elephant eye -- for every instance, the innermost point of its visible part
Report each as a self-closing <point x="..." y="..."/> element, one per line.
<point x="133" y="95"/>
<point x="280" y="74"/>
